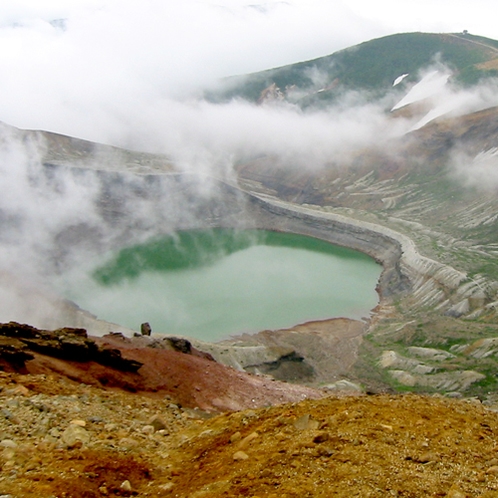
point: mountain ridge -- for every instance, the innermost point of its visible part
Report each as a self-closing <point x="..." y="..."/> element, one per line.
<point x="370" y="66"/>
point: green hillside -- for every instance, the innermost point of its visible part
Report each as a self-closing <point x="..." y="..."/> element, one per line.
<point x="372" y="66"/>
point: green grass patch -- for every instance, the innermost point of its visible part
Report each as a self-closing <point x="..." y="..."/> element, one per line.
<point x="372" y="66"/>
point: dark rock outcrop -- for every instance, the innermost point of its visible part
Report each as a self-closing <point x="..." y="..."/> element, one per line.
<point x="145" y="329"/>
<point x="180" y="344"/>
<point x="18" y="342"/>
<point x="291" y="367"/>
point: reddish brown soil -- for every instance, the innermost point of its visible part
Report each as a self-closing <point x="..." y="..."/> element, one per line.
<point x="365" y="446"/>
<point x="189" y="379"/>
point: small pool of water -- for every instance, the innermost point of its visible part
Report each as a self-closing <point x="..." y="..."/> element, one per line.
<point x="211" y="284"/>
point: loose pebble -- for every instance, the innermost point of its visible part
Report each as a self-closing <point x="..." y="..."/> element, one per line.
<point x="75" y="436"/>
<point x="126" y="486"/>
<point x="81" y="423"/>
<point x="245" y="443"/>
<point x="166" y="487"/>
<point x="306" y="423"/>
<point x="235" y="437"/>
<point x="240" y="455"/>
<point x="8" y="443"/>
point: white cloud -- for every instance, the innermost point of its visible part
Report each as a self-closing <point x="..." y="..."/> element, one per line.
<point x="479" y="171"/>
<point x="88" y="77"/>
<point x="124" y="72"/>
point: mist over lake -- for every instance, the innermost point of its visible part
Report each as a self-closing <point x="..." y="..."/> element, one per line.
<point x="210" y="284"/>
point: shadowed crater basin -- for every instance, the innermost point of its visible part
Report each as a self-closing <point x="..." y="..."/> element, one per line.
<point x="214" y="283"/>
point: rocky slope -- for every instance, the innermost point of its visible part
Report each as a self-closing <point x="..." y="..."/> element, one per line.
<point x="110" y="413"/>
<point x="85" y="417"/>
<point x="155" y="367"/>
<point x="442" y="235"/>
<point x="61" y="439"/>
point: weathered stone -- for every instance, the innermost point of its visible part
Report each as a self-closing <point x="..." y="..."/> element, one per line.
<point x="10" y="416"/>
<point x="75" y="435"/>
<point x="18" y="330"/>
<point x="306" y="423"/>
<point x="240" y="456"/>
<point x="20" y="389"/>
<point x="145" y="329"/>
<point x="126" y="486"/>
<point x="72" y="344"/>
<point x="246" y="442"/>
<point x="321" y="438"/>
<point x="8" y="454"/>
<point x="459" y="309"/>
<point x="428" y="457"/>
<point x="180" y="344"/>
<point x="235" y="437"/>
<point x="54" y="432"/>
<point x="290" y="367"/>
<point x="8" y="443"/>
<point x="343" y="385"/>
<point x="81" y="423"/>
<point x="166" y="487"/>
<point x="158" y="423"/>
<point x="128" y="442"/>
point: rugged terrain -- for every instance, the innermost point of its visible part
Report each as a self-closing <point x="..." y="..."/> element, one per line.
<point x="371" y="67"/>
<point x="59" y="438"/>
<point x="85" y="417"/>
<point x="90" y="408"/>
<point x="156" y="367"/>
<point x="434" y="236"/>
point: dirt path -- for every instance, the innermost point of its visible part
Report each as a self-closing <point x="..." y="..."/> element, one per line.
<point x="463" y="37"/>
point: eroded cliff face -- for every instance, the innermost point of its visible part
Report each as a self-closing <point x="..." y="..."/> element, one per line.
<point x="433" y="237"/>
<point x="423" y="192"/>
<point x="290" y="355"/>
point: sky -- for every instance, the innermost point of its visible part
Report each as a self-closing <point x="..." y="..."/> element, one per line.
<point x="105" y="65"/>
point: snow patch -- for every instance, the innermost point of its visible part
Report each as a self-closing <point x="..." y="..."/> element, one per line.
<point x="399" y="79"/>
<point x="429" y="86"/>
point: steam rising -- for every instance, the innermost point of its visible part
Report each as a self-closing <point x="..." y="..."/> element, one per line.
<point x="131" y="75"/>
<point x="57" y="221"/>
<point x="480" y="171"/>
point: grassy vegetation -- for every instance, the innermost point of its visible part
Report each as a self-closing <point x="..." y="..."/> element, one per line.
<point x="372" y="65"/>
<point x="448" y="221"/>
<point x="442" y="333"/>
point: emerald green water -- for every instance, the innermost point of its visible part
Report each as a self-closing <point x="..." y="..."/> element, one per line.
<point x="214" y="283"/>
